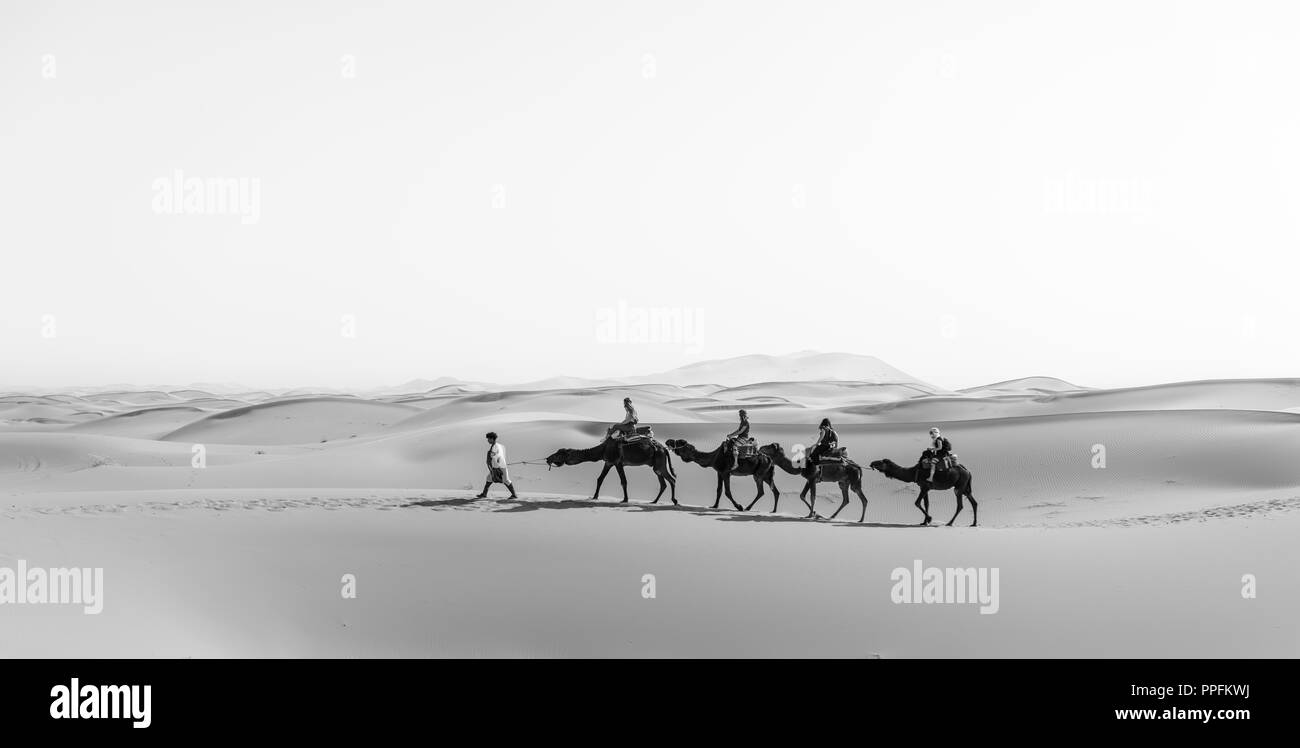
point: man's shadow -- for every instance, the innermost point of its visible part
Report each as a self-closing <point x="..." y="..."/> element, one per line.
<point x="441" y="503"/>
<point x="536" y="504"/>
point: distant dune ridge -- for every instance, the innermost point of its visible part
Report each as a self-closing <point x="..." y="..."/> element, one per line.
<point x="808" y="366"/>
<point x="185" y="494"/>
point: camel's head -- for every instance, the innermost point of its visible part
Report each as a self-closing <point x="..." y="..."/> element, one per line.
<point x="561" y="457"/>
<point x="677" y="445"/>
<point x="772" y="450"/>
<point x="882" y="465"/>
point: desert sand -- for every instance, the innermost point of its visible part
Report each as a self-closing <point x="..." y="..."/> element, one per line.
<point x="244" y="556"/>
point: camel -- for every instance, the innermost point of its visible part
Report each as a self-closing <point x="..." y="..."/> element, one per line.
<point x="847" y="475"/>
<point x="957" y="478"/>
<point x="759" y="466"/>
<point x="617" y="455"/>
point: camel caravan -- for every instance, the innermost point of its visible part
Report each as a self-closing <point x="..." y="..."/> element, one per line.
<point x="629" y="444"/>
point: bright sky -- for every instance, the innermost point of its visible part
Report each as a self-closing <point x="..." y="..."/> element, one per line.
<point x="1107" y="192"/>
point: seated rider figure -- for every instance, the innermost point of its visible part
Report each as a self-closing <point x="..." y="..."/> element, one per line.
<point x="938" y="453"/>
<point x="827" y="440"/>
<point x="741" y="432"/>
<point x="627" y="427"/>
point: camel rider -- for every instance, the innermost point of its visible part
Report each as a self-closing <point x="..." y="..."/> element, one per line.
<point x="629" y="420"/>
<point x="741" y="432"/>
<point x="827" y="440"/>
<point x="939" y="451"/>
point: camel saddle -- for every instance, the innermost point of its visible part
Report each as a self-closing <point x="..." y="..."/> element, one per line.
<point x="928" y="456"/>
<point x="948" y="463"/>
<point x="639" y="433"/>
<point x="838" y="454"/>
<point x="745" y="446"/>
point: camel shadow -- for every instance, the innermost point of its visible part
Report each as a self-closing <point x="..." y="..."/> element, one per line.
<point x="757" y="517"/>
<point x="768" y="517"/>
<point x="681" y="509"/>
<point x="893" y="525"/>
<point x="722" y="514"/>
<point x="533" y="505"/>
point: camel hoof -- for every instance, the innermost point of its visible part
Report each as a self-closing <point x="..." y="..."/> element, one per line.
<point x="948" y="525"/>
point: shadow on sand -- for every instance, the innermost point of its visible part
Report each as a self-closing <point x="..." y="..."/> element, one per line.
<point x="535" y="504"/>
<point x="768" y="517"/>
<point x="441" y="503"/>
<point x="722" y="514"/>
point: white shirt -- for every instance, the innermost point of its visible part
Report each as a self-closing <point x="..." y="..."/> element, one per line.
<point x="497" y="456"/>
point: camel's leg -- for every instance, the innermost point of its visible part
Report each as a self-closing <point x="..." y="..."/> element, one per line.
<point x="622" y="478"/>
<point x="601" y="479"/>
<point x="776" y="495"/>
<point x="672" y="487"/>
<point x="957" y="492"/>
<point x="974" y="507"/>
<point x="863" y="496"/>
<point x="718" y="496"/>
<point x="663" y="484"/>
<point x="844" y="489"/>
<point x="759" y="483"/>
<point x="924" y="497"/>
<point x="811" y="489"/>
<point x="726" y="484"/>
<point x="804" y="493"/>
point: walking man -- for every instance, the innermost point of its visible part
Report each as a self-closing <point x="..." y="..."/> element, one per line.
<point x="498" y="471"/>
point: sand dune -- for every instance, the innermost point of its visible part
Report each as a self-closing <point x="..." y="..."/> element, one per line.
<point x="293" y="421"/>
<point x="795" y="367"/>
<point x="1070" y="483"/>
<point x="1023" y="385"/>
<point x="254" y="573"/>
<point x="42" y="413"/>
<point x="192" y="394"/>
<point x="145" y="423"/>
<point x="1032" y="452"/>
<point x="133" y="397"/>
<point x="53" y="400"/>
<point x="1028" y="470"/>
<point x="511" y="407"/>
